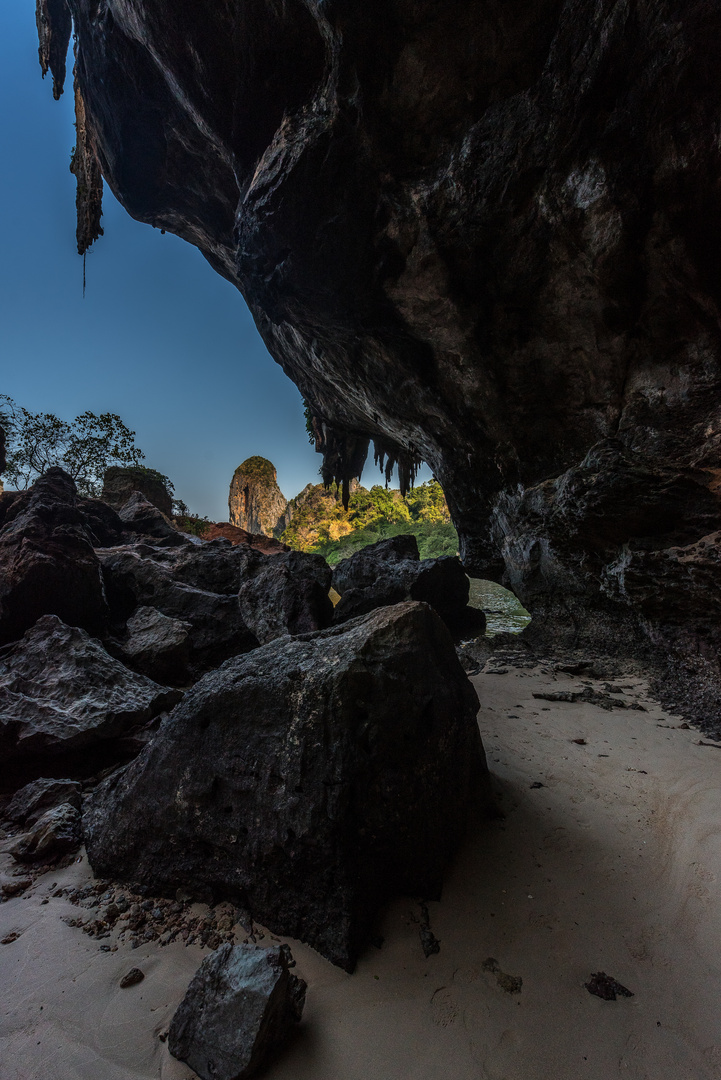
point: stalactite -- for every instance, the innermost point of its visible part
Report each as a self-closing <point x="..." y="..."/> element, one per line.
<point x="86" y="169"/>
<point x="344" y="455"/>
<point x="54" y="24"/>
<point x="388" y="455"/>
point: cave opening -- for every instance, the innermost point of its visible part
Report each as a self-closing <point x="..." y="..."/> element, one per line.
<point x="505" y="614"/>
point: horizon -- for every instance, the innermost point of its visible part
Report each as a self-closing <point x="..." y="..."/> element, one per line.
<point x="154" y="318"/>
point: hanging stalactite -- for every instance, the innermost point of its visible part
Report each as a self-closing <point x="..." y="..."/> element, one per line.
<point x="54" y="24"/>
<point x="86" y="169"/>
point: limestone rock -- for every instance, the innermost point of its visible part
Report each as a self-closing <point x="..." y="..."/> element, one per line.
<point x="391" y="571"/>
<point x="255" y="502"/>
<point x="482" y="234"/>
<point x="194" y="584"/>
<point x="120" y="482"/>
<point x="142" y="517"/>
<point x="55" y="833"/>
<point x="284" y="594"/>
<point x="223" y="530"/>
<point x="308" y="781"/>
<point x="32" y="801"/>
<point x="60" y="691"/>
<point x="157" y="645"/>
<point x="47" y="562"/>
<point x="240" y="1008"/>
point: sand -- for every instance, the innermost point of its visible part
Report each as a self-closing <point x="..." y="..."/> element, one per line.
<point x="613" y="864"/>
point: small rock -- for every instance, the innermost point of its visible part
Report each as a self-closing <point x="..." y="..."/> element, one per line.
<point x="603" y="986"/>
<point x="536" y="784"/>
<point x="14" y="886"/>
<point x="9" y="938"/>
<point x="240" y="1008"/>
<point x="31" y="801"/>
<point x="56" y="832"/>
<point x="133" y="977"/>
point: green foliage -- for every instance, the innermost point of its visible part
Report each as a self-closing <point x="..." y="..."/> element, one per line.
<point x="320" y="524"/>
<point x="258" y="469"/>
<point x="191" y="523"/>
<point x="85" y="447"/>
<point x="308" y="414"/>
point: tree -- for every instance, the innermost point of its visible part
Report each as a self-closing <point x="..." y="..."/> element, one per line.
<point x="85" y="447"/>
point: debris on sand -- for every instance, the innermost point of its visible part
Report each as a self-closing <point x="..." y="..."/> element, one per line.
<point x="603" y="986"/>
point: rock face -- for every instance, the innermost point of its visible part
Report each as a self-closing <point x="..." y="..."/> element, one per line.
<point x="391" y="571"/>
<point x="61" y="692"/>
<point x="308" y="780"/>
<point x="239" y="1010"/>
<point x="256" y="503"/>
<point x="119" y="483"/>
<point x="223" y="530"/>
<point x="284" y="594"/>
<point x="192" y="584"/>
<point x="479" y="233"/>
<point x="47" y="562"/>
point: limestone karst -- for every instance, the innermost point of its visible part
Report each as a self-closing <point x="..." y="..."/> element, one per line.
<point x="255" y="502"/>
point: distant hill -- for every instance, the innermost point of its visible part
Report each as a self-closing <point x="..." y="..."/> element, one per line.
<point x="319" y="523"/>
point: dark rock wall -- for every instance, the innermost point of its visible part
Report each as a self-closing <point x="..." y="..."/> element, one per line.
<point x="482" y="233"/>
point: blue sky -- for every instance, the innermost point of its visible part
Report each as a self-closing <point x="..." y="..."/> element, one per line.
<point x="159" y="338"/>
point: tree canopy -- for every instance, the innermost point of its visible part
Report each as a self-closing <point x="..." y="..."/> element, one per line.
<point x="85" y="447"/>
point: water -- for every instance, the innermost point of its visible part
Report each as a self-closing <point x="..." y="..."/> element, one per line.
<point x="504" y="612"/>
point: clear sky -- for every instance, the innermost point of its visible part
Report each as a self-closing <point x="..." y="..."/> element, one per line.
<point x="160" y="338"/>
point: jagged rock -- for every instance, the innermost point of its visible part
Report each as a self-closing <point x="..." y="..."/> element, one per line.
<point x="47" y="563"/>
<point x="32" y="801"/>
<point x="255" y="502"/>
<point x="223" y="530"/>
<point x="238" y="1012"/>
<point x="120" y="483"/>
<point x="391" y="571"/>
<point x="193" y="584"/>
<point x="308" y="781"/>
<point x="103" y="525"/>
<point x="142" y="517"/>
<point x="284" y="594"/>
<point x="157" y="645"/>
<point x="60" y="692"/>
<point x="481" y="234"/>
<point x="55" y="833"/>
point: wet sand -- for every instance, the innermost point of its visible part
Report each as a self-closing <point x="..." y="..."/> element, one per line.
<point x="612" y="864"/>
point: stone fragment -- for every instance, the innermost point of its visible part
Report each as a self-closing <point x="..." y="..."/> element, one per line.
<point x="140" y="516"/>
<point x="132" y="978"/>
<point x="13" y="886"/>
<point x="197" y="585"/>
<point x="307" y="781"/>
<point x="121" y="482"/>
<point x="285" y="593"/>
<point x="60" y="691"/>
<point x="239" y="1010"/>
<point x="47" y="562"/>
<point x="31" y="801"/>
<point x="55" y="833"/>
<point x="392" y="571"/>
<point x="157" y="645"/>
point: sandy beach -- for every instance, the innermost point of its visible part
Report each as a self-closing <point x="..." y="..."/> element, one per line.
<point x="612" y="864"/>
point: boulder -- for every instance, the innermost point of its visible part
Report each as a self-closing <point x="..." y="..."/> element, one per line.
<point x="284" y="594"/>
<point x="240" y="1008"/>
<point x="392" y="571"/>
<point x="31" y="801"/>
<point x="60" y="691"/>
<point x="103" y="525"/>
<point x="157" y="645"/>
<point x="142" y="517"/>
<point x="55" y="833"/>
<point x="226" y="531"/>
<point x="197" y="585"/>
<point x="120" y="482"/>
<point x="308" y="781"/>
<point x="47" y="562"/>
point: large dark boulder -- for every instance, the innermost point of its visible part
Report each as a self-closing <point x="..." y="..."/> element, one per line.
<point x="482" y="234"/>
<point x="193" y="584"/>
<point x="121" y="481"/>
<point x="61" y="692"/>
<point x="141" y="517"/>
<point x="47" y="562"/>
<point x="285" y="593"/>
<point x="240" y="1009"/>
<point x="309" y="780"/>
<point x="392" y="571"/>
<point x="157" y="645"/>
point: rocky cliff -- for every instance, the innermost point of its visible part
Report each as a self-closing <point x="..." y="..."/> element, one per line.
<point x="481" y="233"/>
<point x="255" y="502"/>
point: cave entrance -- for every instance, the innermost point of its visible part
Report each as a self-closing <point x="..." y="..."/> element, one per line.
<point x="505" y="614"/>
